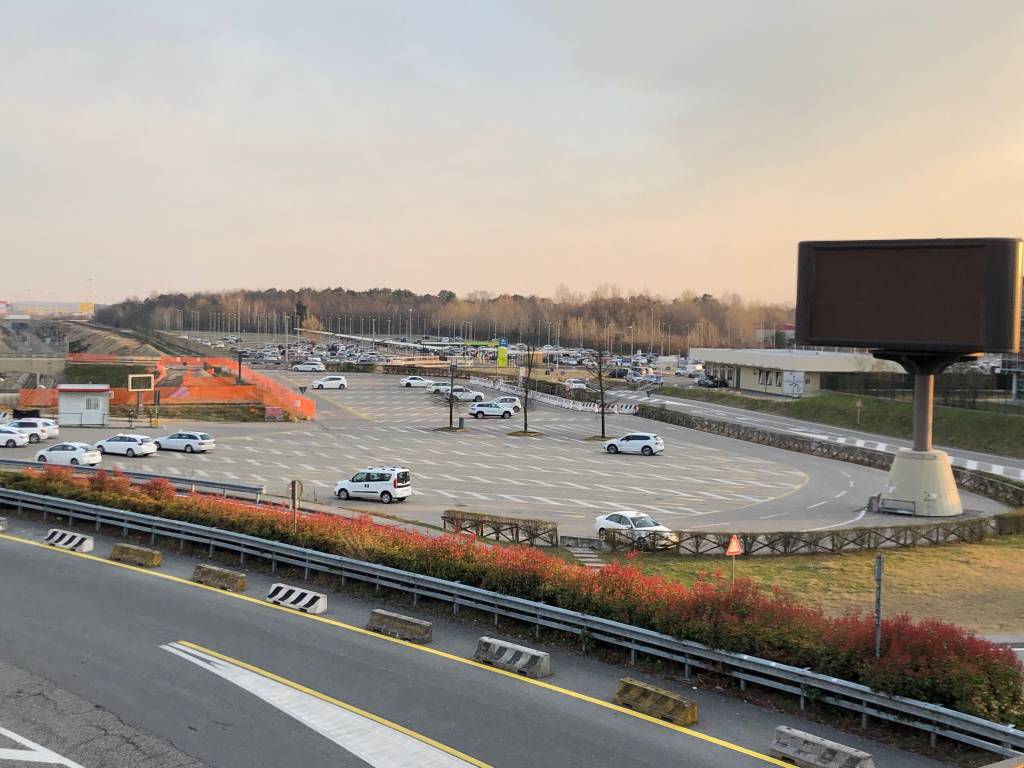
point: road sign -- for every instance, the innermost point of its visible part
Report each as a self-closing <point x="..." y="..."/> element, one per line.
<point x="735" y="546"/>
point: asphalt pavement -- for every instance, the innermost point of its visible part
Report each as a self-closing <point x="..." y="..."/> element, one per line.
<point x="195" y="676"/>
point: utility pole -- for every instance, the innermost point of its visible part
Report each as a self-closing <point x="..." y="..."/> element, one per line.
<point x="879" y="566"/>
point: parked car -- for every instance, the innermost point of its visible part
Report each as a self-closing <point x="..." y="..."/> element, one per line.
<point x="501" y="410"/>
<point x="308" y="367"/>
<point x="646" y="443"/>
<point x="30" y="429"/>
<point x="415" y="381"/>
<point x="11" y="437"/>
<point x="511" y="400"/>
<point x="69" y="454"/>
<point x="330" y="382"/>
<point x="463" y="394"/>
<point x="438" y="387"/>
<point x="187" y="441"/>
<point x="52" y="429"/>
<point x="636" y="523"/>
<point x="384" y="483"/>
<point x="127" y="445"/>
<point x="575" y="384"/>
<point x="711" y="382"/>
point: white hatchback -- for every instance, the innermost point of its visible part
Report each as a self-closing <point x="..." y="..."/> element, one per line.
<point x="646" y="443"/>
<point x="480" y="410"/>
<point x="384" y="483"/>
<point x="12" y="438"/>
<point x="330" y="382"/>
<point x="70" y="454"/>
<point x="188" y="442"/>
<point x="127" y="445"/>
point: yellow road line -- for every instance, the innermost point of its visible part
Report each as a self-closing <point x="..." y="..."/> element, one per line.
<point x="336" y="702"/>
<point x="413" y="646"/>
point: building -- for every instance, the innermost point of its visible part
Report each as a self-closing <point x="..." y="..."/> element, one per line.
<point x="83" y="405"/>
<point x="790" y="372"/>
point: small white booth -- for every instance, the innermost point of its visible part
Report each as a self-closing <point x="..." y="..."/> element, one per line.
<point x="83" y="405"/>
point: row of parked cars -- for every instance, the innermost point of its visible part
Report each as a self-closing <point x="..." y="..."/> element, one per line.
<point x="503" y="407"/>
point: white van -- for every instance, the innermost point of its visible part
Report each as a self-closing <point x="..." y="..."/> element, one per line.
<point x="384" y="483"/>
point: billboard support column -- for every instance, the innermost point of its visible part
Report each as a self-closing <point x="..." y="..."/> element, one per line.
<point x="924" y="405"/>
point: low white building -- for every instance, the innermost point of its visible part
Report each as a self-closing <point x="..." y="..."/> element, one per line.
<point x="83" y="405"/>
<point x="791" y="372"/>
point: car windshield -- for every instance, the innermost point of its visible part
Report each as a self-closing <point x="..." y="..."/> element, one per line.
<point x="644" y="521"/>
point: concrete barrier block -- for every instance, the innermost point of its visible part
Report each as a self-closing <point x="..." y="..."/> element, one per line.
<point x="512" y="657"/>
<point x="3" y="523"/>
<point x="222" y="578"/>
<point x="76" y="542"/>
<point x="402" y="627"/>
<point x="656" y="702"/>
<point x="135" y="555"/>
<point x="809" y="751"/>
<point x="300" y="599"/>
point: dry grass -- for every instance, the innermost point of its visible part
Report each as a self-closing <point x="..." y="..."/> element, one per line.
<point x="980" y="586"/>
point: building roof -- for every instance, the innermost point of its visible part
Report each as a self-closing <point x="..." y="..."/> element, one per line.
<point x="83" y="387"/>
<point x="806" y="360"/>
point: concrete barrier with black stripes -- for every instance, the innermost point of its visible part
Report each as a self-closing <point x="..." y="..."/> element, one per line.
<point x="656" y="702"/>
<point x="809" y="751"/>
<point x="300" y="599"/>
<point x="512" y="657"/>
<point x="403" y="627"/>
<point x="76" y="542"/>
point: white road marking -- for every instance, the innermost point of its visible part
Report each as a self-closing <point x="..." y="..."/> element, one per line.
<point x="840" y="494"/>
<point x="769" y="517"/>
<point x="32" y="752"/>
<point x="840" y="525"/>
<point x="374" y="742"/>
<point x="817" y="505"/>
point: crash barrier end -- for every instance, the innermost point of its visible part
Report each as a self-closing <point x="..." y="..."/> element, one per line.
<point x="403" y="627"/>
<point x="304" y="600"/>
<point x="76" y="542"/>
<point x="656" y="702"/>
<point x="221" y="578"/>
<point x="135" y="555"/>
<point x="512" y="657"/>
<point x="809" y="751"/>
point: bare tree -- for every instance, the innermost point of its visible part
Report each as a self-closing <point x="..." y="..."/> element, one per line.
<point x="527" y="380"/>
<point x="600" y="385"/>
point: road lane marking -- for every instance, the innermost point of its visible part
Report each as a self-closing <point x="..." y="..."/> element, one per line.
<point x="817" y="505"/>
<point x="32" y="752"/>
<point x="840" y="525"/>
<point x="380" y="742"/>
<point x="567" y="692"/>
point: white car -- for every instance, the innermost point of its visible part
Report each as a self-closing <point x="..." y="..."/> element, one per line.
<point x="639" y="526"/>
<point x="33" y="431"/>
<point x="415" y="381"/>
<point x="330" y="382"/>
<point x="12" y="438"/>
<point x="384" y="483"/>
<point x="438" y="387"/>
<point x="128" y="445"/>
<point x="188" y="442"/>
<point x="480" y="410"/>
<point x="575" y="384"/>
<point x="646" y="443"/>
<point x="511" y="400"/>
<point x="309" y="367"/>
<point x="463" y="394"/>
<point x="70" y="454"/>
<point x="52" y="430"/>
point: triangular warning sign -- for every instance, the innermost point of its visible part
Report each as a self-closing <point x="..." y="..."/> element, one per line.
<point x="735" y="546"/>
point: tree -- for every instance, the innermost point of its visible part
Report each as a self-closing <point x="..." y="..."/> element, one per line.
<point x="451" y="393"/>
<point x="301" y="311"/>
<point x="600" y="385"/>
<point x="527" y="378"/>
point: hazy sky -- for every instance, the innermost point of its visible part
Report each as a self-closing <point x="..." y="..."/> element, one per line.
<point x="505" y="146"/>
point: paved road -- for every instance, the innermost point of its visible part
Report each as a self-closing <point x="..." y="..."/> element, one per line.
<point x="995" y="464"/>
<point x="702" y="481"/>
<point x="206" y="677"/>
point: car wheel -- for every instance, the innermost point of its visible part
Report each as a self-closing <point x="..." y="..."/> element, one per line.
<point x="189" y="448"/>
<point x="408" y="385"/>
<point x="101" y="449"/>
<point x="478" y="415"/>
<point x="477" y="399"/>
<point x="74" y="462"/>
<point x="158" y="447"/>
<point x="647" y="450"/>
<point x="506" y="414"/>
<point x="319" y="386"/>
<point x="41" y="459"/>
<point x="343" y="386"/>
<point x="601" y="532"/>
<point x="342" y="494"/>
<point x="10" y="443"/>
<point x="613" y="449"/>
<point x="33" y="438"/>
<point x="386" y="497"/>
<point x="130" y="453"/>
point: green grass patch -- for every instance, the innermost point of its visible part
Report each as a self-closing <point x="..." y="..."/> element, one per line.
<point x="953" y="427"/>
<point x="112" y="375"/>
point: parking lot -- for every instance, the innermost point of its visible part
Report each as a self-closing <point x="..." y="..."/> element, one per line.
<point x="701" y="481"/>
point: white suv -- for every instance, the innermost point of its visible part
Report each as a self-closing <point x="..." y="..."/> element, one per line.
<point x="464" y="393"/>
<point x="52" y="430"/>
<point x="479" y="410"/>
<point x="646" y="443"/>
<point x="510" y="400"/>
<point x="34" y="432"/>
<point x="330" y="382"/>
<point x="385" y="483"/>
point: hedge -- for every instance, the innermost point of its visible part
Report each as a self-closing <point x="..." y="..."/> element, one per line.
<point x="929" y="660"/>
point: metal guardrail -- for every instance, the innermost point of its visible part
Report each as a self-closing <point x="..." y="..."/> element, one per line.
<point x="930" y="718"/>
<point x="177" y="481"/>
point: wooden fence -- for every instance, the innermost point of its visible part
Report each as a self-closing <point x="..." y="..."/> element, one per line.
<point x="516" y="530"/>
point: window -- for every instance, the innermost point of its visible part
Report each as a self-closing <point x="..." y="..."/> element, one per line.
<point x="92" y="403"/>
<point x="778" y="378"/>
<point x="360" y="477"/>
<point x="762" y="377"/>
<point x="403" y="478"/>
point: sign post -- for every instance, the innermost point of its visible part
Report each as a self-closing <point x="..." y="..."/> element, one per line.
<point x="734" y="550"/>
<point x="294" y="494"/>
<point x="859" y="405"/>
<point x="878" y="605"/>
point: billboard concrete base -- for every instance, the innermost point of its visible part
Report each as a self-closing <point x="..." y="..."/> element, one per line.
<point x="921" y="483"/>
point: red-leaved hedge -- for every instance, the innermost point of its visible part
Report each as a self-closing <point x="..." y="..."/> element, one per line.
<point x="929" y="660"/>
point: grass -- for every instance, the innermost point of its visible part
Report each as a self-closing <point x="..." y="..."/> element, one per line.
<point x="111" y="375"/>
<point x="976" y="585"/>
<point x="953" y="427"/>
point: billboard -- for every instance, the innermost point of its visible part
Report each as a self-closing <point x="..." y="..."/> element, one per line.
<point x="140" y="382"/>
<point x="959" y="295"/>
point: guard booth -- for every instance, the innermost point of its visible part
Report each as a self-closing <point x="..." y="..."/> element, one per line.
<point x="83" y="405"/>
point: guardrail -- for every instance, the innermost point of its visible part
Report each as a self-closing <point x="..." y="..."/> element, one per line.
<point x="930" y="718"/>
<point x="559" y="402"/>
<point x="191" y="483"/>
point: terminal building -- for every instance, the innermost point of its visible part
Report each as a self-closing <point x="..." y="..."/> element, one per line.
<point x="789" y="372"/>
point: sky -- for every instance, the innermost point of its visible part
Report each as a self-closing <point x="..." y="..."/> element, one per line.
<point x="660" y="146"/>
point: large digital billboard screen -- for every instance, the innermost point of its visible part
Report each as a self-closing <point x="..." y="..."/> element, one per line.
<point x="914" y="295"/>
